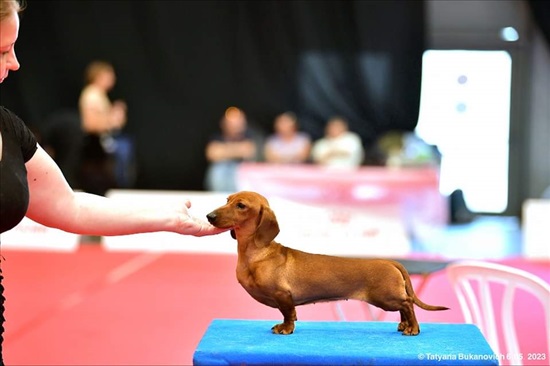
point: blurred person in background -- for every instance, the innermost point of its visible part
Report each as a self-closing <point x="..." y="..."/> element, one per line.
<point x="406" y="148"/>
<point x="340" y="147"/>
<point x="32" y="184"/>
<point x="287" y="145"/>
<point x="108" y="154"/>
<point x="399" y="149"/>
<point x="228" y="148"/>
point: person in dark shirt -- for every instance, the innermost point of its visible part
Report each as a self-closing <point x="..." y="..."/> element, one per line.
<point x="227" y="149"/>
<point x="32" y="184"/>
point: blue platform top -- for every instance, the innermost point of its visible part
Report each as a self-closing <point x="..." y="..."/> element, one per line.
<point x="250" y="342"/>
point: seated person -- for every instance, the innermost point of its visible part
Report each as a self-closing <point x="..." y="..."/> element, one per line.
<point x="287" y="145"/>
<point x="227" y="149"/>
<point x="339" y="148"/>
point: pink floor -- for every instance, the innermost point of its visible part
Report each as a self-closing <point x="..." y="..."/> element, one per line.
<point x="94" y="307"/>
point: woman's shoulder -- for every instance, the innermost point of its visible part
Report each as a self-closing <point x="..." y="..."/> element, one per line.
<point x="11" y="122"/>
<point x="352" y="136"/>
<point x="303" y="136"/>
<point x="9" y="119"/>
<point x="16" y="129"/>
<point x="92" y="93"/>
<point x="5" y="111"/>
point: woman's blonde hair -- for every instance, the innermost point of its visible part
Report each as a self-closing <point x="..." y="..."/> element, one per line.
<point x="7" y="6"/>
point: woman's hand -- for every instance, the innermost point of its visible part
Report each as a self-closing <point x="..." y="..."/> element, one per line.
<point x="191" y="225"/>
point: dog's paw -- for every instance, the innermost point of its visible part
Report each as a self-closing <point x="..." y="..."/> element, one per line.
<point x="283" y="328"/>
<point x="402" y="326"/>
<point x="411" y="331"/>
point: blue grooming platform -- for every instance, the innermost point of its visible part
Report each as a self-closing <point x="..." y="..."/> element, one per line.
<point x="250" y="342"/>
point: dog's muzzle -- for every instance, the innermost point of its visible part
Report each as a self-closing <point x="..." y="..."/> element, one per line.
<point x="212" y="217"/>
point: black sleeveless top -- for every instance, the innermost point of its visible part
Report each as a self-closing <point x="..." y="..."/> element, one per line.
<point x="18" y="147"/>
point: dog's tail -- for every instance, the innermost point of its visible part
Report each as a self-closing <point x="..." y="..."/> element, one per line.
<point x="410" y="291"/>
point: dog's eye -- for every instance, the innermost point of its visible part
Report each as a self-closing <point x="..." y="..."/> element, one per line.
<point x="241" y="205"/>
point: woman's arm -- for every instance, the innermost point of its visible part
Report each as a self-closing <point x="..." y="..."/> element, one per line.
<point x="53" y="203"/>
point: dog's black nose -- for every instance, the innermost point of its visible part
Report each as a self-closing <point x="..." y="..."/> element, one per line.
<point x="211" y="217"/>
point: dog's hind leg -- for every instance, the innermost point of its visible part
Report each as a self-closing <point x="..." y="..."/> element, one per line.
<point x="409" y="324"/>
<point x="404" y="322"/>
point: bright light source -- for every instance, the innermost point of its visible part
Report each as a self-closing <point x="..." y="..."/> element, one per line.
<point x="509" y="34"/>
<point x="465" y="111"/>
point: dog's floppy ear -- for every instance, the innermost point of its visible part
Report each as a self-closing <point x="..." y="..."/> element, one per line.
<point x="267" y="228"/>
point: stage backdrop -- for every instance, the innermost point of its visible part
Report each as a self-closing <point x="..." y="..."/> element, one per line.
<point x="181" y="63"/>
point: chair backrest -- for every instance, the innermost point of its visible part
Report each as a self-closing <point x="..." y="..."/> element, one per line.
<point x="477" y="306"/>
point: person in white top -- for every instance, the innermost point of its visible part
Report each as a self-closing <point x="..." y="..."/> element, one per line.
<point x="98" y="114"/>
<point x="340" y="147"/>
<point x="108" y="153"/>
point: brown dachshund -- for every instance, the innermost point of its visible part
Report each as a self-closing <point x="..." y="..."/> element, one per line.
<point x="283" y="278"/>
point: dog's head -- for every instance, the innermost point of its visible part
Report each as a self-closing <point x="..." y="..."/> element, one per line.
<point x="249" y="216"/>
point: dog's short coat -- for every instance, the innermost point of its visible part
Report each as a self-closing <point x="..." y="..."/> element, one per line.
<point x="283" y="278"/>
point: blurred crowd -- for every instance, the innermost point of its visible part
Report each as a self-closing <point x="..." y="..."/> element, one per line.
<point x="340" y="147"/>
<point x="90" y="145"/>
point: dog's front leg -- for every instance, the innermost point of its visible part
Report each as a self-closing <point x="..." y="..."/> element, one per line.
<point x="286" y="307"/>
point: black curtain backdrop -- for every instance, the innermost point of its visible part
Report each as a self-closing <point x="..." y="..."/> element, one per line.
<point x="541" y="14"/>
<point x="180" y="64"/>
